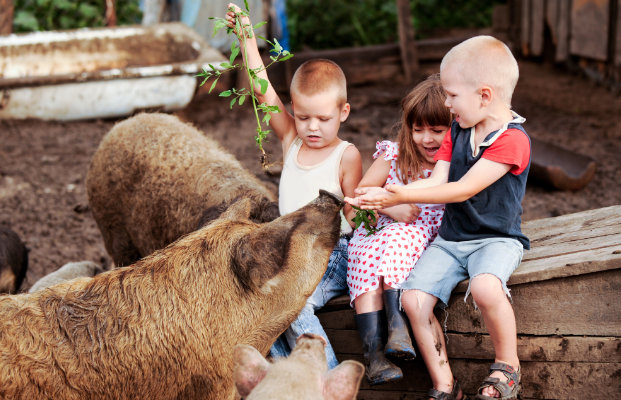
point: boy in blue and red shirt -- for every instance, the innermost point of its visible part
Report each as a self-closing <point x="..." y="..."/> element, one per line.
<point x="480" y="173"/>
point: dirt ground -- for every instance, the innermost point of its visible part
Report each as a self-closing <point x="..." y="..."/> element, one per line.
<point x="43" y="164"/>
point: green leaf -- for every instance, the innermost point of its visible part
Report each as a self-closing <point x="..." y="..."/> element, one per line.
<point x="234" y="52"/>
<point x="246" y="5"/>
<point x="226" y="93"/>
<point x="213" y="85"/>
<point x="263" y="83"/>
<point x="241" y="100"/>
<point x="25" y="21"/>
<point x="260" y="24"/>
<point x="232" y="102"/>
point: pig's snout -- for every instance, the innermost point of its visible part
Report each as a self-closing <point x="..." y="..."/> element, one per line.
<point x="326" y="198"/>
<point x="310" y="336"/>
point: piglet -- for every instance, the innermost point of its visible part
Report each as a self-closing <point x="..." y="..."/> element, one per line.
<point x="303" y="375"/>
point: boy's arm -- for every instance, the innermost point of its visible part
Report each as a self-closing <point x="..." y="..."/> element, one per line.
<point x="282" y="123"/>
<point x="482" y="174"/>
<point x="439" y="175"/>
<point x="376" y="176"/>
<point x="351" y="175"/>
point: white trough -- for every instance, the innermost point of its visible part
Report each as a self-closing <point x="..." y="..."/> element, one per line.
<point x="101" y="72"/>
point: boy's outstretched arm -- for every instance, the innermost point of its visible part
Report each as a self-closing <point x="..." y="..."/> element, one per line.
<point x="282" y="123"/>
<point x="482" y="174"/>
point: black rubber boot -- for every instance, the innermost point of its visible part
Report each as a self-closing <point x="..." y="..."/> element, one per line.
<point x="372" y="332"/>
<point x="399" y="344"/>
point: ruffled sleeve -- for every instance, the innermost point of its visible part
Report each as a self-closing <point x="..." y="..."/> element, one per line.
<point x="389" y="149"/>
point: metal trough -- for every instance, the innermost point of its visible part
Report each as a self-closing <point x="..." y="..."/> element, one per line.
<point x="101" y="72"/>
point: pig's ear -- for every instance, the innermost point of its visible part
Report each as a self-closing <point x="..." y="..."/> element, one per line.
<point x="249" y="368"/>
<point x="238" y="210"/>
<point x="342" y="382"/>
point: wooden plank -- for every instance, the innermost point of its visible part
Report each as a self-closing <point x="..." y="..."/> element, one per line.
<point x="525" y="27"/>
<point x="530" y="348"/>
<point x="537" y="16"/>
<point x="544" y="229"/>
<point x="551" y="19"/>
<point x="540" y="380"/>
<point x="590" y="21"/>
<point x="6" y="17"/>
<point x="577" y="305"/>
<point x="407" y="46"/>
<point x="562" y="44"/>
<point x="617" y="35"/>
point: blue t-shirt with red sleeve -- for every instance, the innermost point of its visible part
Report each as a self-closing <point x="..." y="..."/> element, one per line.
<point x="496" y="211"/>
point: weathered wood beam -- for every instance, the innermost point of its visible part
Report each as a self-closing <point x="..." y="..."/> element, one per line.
<point x="6" y="17"/>
<point x="407" y="47"/>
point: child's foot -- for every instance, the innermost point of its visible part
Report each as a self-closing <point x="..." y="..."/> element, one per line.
<point x="503" y="383"/>
<point x="455" y="394"/>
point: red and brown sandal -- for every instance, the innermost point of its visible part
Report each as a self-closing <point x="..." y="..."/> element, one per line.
<point x="508" y="390"/>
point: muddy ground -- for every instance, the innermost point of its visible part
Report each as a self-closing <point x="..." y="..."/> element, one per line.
<point x="43" y="164"/>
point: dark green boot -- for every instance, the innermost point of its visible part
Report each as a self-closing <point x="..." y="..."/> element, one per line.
<point x="372" y="332"/>
<point x="399" y="345"/>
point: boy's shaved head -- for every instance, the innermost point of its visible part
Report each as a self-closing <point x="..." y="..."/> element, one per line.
<point x="485" y="61"/>
<point x="319" y="75"/>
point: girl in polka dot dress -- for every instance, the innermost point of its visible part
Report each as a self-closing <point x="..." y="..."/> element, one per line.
<point x="379" y="263"/>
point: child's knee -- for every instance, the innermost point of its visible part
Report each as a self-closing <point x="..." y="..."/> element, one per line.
<point x="417" y="305"/>
<point x="486" y="289"/>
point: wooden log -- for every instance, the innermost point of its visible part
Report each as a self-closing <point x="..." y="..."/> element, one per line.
<point x="540" y="380"/>
<point x="6" y="17"/>
<point x="578" y="305"/>
<point x="407" y="46"/>
<point x="603" y="349"/>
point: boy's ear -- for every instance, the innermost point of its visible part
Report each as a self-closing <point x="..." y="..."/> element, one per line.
<point x="487" y="94"/>
<point x="345" y="111"/>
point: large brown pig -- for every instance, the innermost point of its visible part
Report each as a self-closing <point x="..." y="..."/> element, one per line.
<point x="165" y="327"/>
<point x="154" y="178"/>
<point x="13" y="260"/>
<point x="303" y="375"/>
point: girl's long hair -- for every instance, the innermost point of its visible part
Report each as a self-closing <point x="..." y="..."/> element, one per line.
<point x="422" y="106"/>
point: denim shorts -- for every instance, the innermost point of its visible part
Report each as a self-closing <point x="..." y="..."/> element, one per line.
<point x="445" y="263"/>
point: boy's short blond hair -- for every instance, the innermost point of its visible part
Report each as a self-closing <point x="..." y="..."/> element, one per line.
<point x="485" y="60"/>
<point x="318" y="75"/>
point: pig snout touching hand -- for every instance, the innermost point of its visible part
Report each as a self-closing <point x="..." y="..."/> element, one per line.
<point x="303" y="375"/>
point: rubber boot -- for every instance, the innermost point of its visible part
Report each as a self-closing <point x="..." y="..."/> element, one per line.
<point x="372" y="332"/>
<point x="399" y="344"/>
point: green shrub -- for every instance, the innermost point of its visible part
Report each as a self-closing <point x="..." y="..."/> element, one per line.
<point x="45" y="15"/>
<point x="322" y="24"/>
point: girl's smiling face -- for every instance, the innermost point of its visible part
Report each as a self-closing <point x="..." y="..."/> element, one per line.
<point x="428" y="140"/>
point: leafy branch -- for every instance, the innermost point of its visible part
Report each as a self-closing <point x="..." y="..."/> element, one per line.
<point x="239" y="96"/>
<point x="367" y="218"/>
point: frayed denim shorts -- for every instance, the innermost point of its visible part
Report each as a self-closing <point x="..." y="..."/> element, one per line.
<point x="445" y="263"/>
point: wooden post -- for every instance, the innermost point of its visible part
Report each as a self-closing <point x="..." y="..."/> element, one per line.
<point x="407" y="47"/>
<point x="6" y="17"/>
<point x="110" y="13"/>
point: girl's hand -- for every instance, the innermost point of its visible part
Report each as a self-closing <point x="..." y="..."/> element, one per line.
<point x="403" y="212"/>
<point x="372" y="198"/>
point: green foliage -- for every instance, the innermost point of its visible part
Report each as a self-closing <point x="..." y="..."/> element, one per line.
<point x="46" y="15"/>
<point x="429" y="15"/>
<point x="277" y="54"/>
<point x="324" y="24"/>
<point x="367" y="218"/>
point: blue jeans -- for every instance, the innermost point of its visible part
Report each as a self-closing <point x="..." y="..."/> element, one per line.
<point x="332" y="284"/>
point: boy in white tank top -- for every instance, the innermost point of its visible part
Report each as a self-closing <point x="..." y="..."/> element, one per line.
<point x="314" y="158"/>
